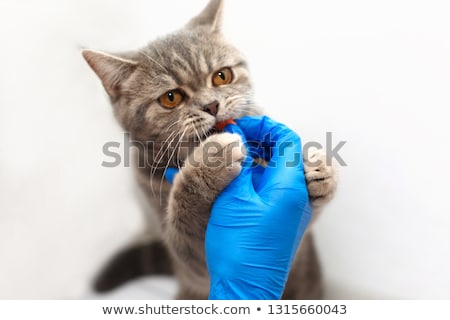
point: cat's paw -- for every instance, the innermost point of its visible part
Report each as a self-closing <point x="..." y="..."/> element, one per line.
<point x="321" y="178"/>
<point x="205" y="173"/>
<point x="217" y="161"/>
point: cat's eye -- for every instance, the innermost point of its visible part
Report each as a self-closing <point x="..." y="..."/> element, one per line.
<point x="222" y="77"/>
<point x="171" y="99"/>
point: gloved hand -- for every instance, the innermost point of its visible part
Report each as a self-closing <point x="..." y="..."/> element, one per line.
<point x="257" y="222"/>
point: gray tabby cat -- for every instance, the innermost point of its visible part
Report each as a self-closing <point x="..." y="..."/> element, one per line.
<point x="172" y="93"/>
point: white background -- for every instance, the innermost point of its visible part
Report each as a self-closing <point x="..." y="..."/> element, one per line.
<point x="375" y="73"/>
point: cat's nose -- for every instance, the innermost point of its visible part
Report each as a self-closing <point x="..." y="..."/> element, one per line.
<point x="212" y="108"/>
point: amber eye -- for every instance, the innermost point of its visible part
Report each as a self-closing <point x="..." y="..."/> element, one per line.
<point x="171" y="99"/>
<point x="222" y="77"/>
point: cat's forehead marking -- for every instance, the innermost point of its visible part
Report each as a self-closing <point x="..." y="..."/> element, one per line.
<point x="188" y="58"/>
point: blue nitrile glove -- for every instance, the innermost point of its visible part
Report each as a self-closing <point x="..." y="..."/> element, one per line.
<point x="257" y="222"/>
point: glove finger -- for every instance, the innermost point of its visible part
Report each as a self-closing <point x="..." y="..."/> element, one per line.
<point x="284" y="176"/>
<point x="262" y="129"/>
<point x="257" y="174"/>
<point x="284" y="171"/>
<point x="264" y="134"/>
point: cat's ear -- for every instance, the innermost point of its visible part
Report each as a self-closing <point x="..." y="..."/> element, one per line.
<point x="210" y="17"/>
<point x="111" y="70"/>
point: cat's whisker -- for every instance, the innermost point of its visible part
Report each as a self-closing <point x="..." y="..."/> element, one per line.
<point x="162" y="151"/>
<point x="180" y="140"/>
<point x="172" y="125"/>
<point x="204" y="132"/>
<point x="165" y="147"/>
<point x="190" y="120"/>
<point x="251" y="108"/>
<point x="233" y="98"/>
<point x="242" y="103"/>
<point x="153" y="168"/>
<point x="190" y="125"/>
<point x="178" y="151"/>
<point x="198" y="135"/>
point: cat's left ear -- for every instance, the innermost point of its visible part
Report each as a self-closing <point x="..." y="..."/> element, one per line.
<point x="210" y="17"/>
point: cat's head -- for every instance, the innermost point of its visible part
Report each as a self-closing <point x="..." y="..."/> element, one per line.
<point x="181" y="84"/>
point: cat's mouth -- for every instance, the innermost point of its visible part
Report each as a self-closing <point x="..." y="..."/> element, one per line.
<point x="218" y="127"/>
<point x="211" y="132"/>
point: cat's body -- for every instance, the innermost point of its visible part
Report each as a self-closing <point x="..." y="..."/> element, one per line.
<point x="172" y="93"/>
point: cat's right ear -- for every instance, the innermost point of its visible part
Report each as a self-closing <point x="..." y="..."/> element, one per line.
<point x="111" y="70"/>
